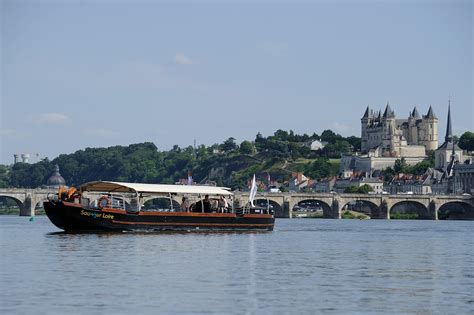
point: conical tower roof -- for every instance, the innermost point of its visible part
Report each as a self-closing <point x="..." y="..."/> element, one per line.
<point x="388" y="112"/>
<point x="367" y="113"/>
<point x="415" y="113"/>
<point x="431" y="114"/>
<point x="449" y="131"/>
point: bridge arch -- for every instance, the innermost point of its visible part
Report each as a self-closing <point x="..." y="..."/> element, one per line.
<point x="365" y="207"/>
<point x="316" y="207"/>
<point x="456" y="210"/>
<point x="8" y="203"/>
<point x="409" y="209"/>
<point x="273" y="205"/>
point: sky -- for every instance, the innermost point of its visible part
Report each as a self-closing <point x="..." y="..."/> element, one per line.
<point x="78" y="74"/>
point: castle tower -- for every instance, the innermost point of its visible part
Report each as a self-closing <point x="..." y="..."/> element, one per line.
<point x="412" y="131"/>
<point x="388" y="131"/>
<point x="364" y="123"/>
<point x="449" y="151"/>
<point x="428" y="131"/>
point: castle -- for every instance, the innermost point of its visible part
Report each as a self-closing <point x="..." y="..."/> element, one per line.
<point x="386" y="136"/>
<point x="386" y="139"/>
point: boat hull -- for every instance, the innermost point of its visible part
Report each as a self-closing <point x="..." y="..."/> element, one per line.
<point x="72" y="217"/>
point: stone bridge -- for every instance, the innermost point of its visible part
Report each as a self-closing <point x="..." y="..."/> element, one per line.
<point x="283" y="203"/>
<point x="333" y="204"/>
<point x="27" y="199"/>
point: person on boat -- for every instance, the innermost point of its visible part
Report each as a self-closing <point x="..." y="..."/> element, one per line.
<point x="207" y="204"/>
<point x="222" y="204"/>
<point x="185" y="204"/>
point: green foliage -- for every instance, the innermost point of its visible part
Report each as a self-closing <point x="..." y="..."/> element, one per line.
<point x="400" y="166"/>
<point x="466" y="141"/>
<point x="229" y="145"/>
<point x="334" y="150"/>
<point x="320" y="168"/>
<point x="143" y="162"/>
<point x="4" y="176"/>
<point x="352" y="189"/>
<point x="246" y="147"/>
<point x="365" y="189"/>
<point x="353" y="215"/>
<point x="330" y="137"/>
<point x="355" y="142"/>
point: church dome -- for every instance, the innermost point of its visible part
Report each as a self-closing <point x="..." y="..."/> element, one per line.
<point x="56" y="180"/>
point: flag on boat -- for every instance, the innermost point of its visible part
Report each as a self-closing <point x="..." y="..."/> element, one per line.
<point x="190" y="178"/>
<point x="253" y="191"/>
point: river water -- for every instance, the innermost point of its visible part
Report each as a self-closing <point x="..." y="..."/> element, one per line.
<point x="304" y="266"/>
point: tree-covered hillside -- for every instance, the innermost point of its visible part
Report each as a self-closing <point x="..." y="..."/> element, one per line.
<point x="227" y="164"/>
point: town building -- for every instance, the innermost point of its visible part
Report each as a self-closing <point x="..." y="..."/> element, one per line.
<point x="409" y="184"/>
<point x="325" y="184"/>
<point x="342" y="184"/>
<point x="463" y="181"/>
<point x="299" y="182"/>
<point x="316" y="145"/>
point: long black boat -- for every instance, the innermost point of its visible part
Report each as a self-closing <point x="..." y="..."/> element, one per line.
<point x="116" y="206"/>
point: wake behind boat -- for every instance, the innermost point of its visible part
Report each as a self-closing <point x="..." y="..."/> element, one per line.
<point x="116" y="206"/>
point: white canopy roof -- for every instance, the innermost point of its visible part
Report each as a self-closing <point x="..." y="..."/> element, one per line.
<point x="101" y="186"/>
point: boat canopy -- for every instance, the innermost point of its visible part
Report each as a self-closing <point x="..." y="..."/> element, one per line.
<point x="103" y="186"/>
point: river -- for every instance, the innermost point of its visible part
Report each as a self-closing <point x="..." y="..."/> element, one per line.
<point x="304" y="266"/>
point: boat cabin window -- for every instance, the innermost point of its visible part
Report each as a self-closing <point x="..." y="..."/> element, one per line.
<point x="162" y="204"/>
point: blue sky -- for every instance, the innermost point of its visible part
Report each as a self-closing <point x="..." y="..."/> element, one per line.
<point x="77" y="74"/>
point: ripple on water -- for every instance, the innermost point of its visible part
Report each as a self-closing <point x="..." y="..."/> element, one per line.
<point x="304" y="266"/>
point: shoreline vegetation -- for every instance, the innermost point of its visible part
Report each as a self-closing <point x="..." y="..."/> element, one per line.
<point x="231" y="164"/>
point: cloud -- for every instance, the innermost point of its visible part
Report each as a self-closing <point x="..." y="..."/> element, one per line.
<point x="181" y="59"/>
<point x="50" y="119"/>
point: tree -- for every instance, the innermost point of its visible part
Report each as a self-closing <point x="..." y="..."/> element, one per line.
<point x="330" y="137"/>
<point x="246" y="147"/>
<point x="466" y="141"/>
<point x="352" y="189"/>
<point x="229" y="145"/>
<point x="400" y="166"/>
<point x="355" y="142"/>
<point x="364" y="189"/>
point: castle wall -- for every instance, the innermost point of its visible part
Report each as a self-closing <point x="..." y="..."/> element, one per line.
<point x="367" y="164"/>
<point x="412" y="151"/>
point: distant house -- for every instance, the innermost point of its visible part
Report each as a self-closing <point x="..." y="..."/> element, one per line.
<point x="316" y="145"/>
<point x="359" y="180"/>
<point x="298" y="182"/>
<point x="408" y="183"/>
<point x="325" y="185"/>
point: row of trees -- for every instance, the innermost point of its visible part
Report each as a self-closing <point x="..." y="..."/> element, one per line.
<point x="227" y="163"/>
